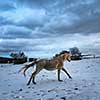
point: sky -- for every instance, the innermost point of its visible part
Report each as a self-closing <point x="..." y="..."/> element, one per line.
<point x="42" y="28"/>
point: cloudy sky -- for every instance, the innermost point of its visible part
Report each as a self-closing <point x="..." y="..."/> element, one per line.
<point x="41" y="28"/>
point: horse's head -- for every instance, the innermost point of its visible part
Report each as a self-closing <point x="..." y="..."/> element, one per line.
<point x="66" y="55"/>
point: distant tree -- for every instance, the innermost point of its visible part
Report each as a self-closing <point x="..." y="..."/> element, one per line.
<point x="75" y="50"/>
<point x="19" y="55"/>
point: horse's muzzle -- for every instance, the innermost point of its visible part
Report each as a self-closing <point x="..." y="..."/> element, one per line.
<point x="69" y="60"/>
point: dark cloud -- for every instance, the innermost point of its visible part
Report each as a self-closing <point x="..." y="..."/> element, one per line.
<point x="47" y="14"/>
<point x="36" y="3"/>
<point x="4" y="21"/>
<point x="13" y="32"/>
<point x="80" y="17"/>
<point x="7" y="5"/>
<point x="34" y="25"/>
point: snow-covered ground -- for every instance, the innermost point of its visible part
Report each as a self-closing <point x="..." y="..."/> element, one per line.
<point x="85" y="84"/>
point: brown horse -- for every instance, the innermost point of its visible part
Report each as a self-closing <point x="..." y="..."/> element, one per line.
<point x="57" y="62"/>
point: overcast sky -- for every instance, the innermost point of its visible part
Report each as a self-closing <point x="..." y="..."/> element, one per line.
<point x="44" y="27"/>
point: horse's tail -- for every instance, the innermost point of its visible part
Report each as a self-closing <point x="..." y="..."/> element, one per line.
<point x="27" y="66"/>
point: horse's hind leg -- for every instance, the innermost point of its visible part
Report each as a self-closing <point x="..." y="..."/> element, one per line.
<point x="38" y="69"/>
<point x="34" y="74"/>
<point x="30" y="80"/>
<point x="32" y="77"/>
<point x="66" y="73"/>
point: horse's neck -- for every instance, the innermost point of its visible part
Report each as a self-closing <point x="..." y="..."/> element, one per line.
<point x="62" y="58"/>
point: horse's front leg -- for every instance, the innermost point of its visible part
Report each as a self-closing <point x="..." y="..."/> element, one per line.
<point x="59" y="71"/>
<point x="66" y="73"/>
<point x="38" y="69"/>
<point x="32" y="76"/>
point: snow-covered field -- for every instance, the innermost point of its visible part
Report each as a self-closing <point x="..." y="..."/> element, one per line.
<point x="85" y="84"/>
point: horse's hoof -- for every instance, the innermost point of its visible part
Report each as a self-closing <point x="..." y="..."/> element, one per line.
<point x="34" y="82"/>
<point x="70" y="77"/>
<point x="28" y="84"/>
<point x="60" y="80"/>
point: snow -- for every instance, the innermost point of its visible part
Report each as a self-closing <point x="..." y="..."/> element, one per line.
<point x="84" y="85"/>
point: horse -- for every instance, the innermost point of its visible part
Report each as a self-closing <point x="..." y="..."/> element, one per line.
<point x="56" y="63"/>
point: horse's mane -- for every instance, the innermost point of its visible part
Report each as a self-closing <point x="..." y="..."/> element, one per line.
<point x="62" y="52"/>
